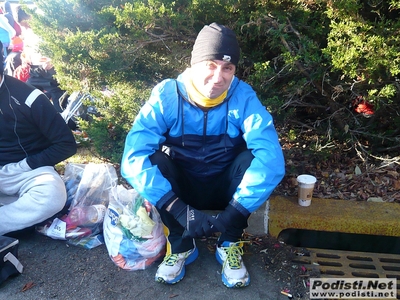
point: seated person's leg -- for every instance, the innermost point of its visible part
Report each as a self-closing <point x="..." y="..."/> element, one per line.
<point x="41" y="194"/>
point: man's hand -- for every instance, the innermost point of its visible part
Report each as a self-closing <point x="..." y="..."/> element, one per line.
<point x="195" y="222"/>
<point x="230" y="216"/>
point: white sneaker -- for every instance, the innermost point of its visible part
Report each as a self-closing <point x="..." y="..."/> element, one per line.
<point x="234" y="272"/>
<point x="172" y="269"/>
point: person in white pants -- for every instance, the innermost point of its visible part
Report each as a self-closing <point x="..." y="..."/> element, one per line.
<point x="33" y="139"/>
<point x="38" y="194"/>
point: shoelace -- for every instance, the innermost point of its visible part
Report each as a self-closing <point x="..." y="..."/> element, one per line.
<point x="171" y="259"/>
<point x="233" y="254"/>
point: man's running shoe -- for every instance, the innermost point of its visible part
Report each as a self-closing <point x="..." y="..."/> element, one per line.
<point x="234" y="272"/>
<point x="172" y="269"/>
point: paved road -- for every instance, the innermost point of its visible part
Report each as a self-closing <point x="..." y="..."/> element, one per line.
<point x="61" y="271"/>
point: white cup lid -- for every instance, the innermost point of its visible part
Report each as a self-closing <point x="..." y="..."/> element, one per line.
<point x="307" y="179"/>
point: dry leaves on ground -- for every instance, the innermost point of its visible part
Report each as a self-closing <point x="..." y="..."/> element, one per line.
<point x="341" y="176"/>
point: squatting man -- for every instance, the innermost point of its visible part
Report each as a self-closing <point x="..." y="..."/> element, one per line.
<point x="204" y="141"/>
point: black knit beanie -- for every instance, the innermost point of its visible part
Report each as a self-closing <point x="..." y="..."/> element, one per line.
<point x="216" y="42"/>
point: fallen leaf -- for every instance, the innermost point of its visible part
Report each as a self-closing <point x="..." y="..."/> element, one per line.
<point x="357" y="170"/>
<point x="293" y="181"/>
<point x="396" y="184"/>
<point x="28" y="286"/>
<point x="325" y="174"/>
<point x="393" y="173"/>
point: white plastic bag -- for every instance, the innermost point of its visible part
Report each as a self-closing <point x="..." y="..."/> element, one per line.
<point x="133" y="231"/>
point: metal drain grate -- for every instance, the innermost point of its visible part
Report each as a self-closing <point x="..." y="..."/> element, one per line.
<point x="349" y="264"/>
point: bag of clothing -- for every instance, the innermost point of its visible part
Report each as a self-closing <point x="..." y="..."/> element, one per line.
<point x="133" y="231"/>
<point x="9" y="263"/>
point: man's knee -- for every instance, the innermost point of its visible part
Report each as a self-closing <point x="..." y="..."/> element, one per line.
<point x="52" y="194"/>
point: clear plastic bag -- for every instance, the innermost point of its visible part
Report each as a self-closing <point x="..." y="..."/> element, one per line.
<point x="88" y="193"/>
<point x="72" y="177"/>
<point x="133" y="231"/>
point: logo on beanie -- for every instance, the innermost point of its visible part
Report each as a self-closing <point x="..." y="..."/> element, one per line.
<point x="226" y="58"/>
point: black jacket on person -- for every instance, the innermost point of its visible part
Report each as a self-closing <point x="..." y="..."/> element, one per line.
<point x="31" y="127"/>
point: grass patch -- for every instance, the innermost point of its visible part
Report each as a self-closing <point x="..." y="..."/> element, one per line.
<point x="84" y="155"/>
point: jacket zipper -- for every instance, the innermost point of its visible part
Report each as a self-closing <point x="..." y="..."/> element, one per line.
<point x="205" y="128"/>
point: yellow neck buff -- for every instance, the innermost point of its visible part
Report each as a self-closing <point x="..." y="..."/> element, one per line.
<point x="201" y="100"/>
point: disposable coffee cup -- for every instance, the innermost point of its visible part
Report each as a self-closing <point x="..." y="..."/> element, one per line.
<point x="306" y="185"/>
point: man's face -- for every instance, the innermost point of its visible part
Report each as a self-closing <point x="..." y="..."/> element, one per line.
<point x="212" y="78"/>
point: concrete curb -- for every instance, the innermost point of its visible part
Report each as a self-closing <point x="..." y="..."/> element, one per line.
<point x="345" y="216"/>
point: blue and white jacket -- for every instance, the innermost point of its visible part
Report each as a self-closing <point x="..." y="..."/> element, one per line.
<point x="203" y="142"/>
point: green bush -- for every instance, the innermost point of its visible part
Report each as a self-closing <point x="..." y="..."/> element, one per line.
<point x="310" y="62"/>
